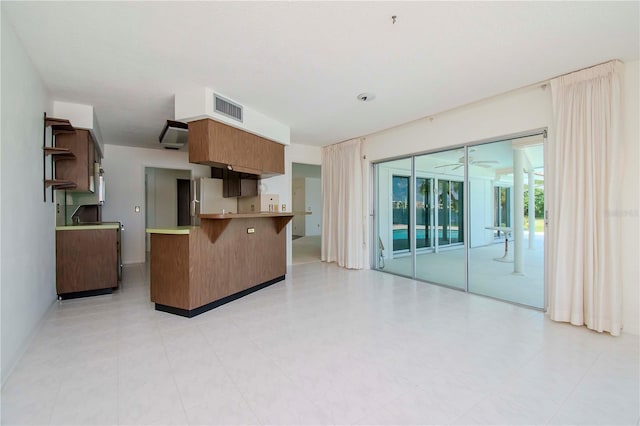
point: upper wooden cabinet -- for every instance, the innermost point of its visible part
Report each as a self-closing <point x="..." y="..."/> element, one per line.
<point x="235" y="184"/>
<point x="79" y="170"/>
<point x="219" y="145"/>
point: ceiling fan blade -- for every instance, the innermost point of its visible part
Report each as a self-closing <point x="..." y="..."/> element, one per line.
<point x="486" y="166"/>
<point x="446" y="165"/>
<point x="457" y="167"/>
<point x="485" y="162"/>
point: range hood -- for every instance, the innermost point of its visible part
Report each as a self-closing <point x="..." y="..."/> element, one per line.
<point x="174" y="134"/>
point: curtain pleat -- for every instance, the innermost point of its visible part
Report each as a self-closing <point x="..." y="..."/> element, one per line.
<point x="584" y="287"/>
<point x="342" y="205"/>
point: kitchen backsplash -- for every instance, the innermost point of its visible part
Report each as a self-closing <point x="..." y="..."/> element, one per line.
<point x="259" y="203"/>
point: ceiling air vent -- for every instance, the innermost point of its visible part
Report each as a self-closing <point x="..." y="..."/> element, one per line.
<point x="228" y="108"/>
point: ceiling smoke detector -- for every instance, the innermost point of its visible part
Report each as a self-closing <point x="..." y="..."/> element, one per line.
<point x="366" y="97"/>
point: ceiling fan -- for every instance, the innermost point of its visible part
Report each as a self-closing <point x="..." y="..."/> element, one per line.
<point x="460" y="163"/>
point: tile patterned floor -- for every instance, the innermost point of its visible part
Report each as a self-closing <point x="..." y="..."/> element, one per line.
<point x="326" y="346"/>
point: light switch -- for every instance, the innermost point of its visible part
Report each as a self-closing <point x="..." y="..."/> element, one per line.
<point x="251" y="230"/>
<point x="136" y="209"/>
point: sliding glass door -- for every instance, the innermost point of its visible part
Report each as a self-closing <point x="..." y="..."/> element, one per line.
<point x="450" y="212"/>
<point x="394" y="231"/>
<point x="429" y="235"/>
<point x="440" y="256"/>
<point x="400" y="207"/>
<point x="425" y="204"/>
<point x="424" y="213"/>
<point x="506" y="251"/>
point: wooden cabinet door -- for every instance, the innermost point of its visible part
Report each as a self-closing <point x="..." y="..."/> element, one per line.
<point x="86" y="260"/>
<point x="80" y="169"/>
<point x="219" y="145"/>
<point x="230" y="184"/>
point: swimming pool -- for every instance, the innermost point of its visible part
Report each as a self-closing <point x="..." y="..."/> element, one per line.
<point x="401" y="234"/>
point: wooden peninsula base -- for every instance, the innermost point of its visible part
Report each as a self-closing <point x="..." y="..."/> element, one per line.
<point x="195" y="269"/>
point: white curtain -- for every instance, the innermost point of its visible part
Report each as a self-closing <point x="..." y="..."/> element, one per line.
<point x="584" y="287"/>
<point x="343" y="225"/>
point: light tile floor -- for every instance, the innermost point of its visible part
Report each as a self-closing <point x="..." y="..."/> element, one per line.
<point x="306" y="249"/>
<point x="326" y="346"/>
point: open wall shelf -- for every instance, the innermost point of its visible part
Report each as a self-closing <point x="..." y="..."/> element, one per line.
<point x="58" y="126"/>
<point x="59" y="184"/>
<point x="59" y="153"/>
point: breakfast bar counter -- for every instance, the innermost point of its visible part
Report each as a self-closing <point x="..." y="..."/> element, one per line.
<point x="197" y="268"/>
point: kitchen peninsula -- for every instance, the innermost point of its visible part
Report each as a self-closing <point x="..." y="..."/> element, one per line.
<point x="197" y="268"/>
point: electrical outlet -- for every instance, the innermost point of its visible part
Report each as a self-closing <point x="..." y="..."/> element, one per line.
<point x="251" y="230"/>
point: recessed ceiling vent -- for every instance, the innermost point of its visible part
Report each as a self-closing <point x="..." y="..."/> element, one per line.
<point x="228" y="108"/>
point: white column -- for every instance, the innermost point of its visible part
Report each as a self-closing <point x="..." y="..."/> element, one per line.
<point x="532" y="208"/>
<point x="518" y="211"/>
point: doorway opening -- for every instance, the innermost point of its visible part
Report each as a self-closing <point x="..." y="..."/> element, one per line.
<point x="167" y="198"/>
<point x="306" y="184"/>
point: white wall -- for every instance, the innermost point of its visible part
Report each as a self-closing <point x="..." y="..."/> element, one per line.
<point x="164" y="192"/>
<point x="519" y="111"/>
<point x="124" y="169"/>
<point x="305" y="154"/>
<point x="27" y="224"/>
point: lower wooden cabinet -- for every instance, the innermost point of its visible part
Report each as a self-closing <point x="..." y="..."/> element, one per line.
<point x="86" y="261"/>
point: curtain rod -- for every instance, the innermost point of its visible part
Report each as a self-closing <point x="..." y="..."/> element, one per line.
<point x="362" y="139"/>
<point x="547" y="81"/>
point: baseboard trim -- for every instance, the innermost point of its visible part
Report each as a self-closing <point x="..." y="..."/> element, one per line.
<point x="190" y="313"/>
<point x="86" y="293"/>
